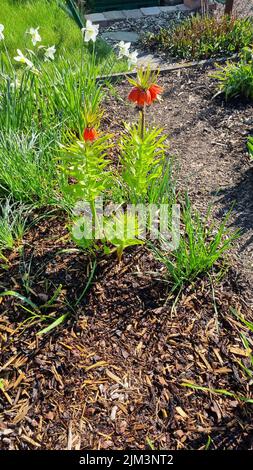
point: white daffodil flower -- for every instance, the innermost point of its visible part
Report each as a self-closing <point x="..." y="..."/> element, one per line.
<point x="35" y="35"/>
<point x="132" y="59"/>
<point x="22" y="59"/>
<point x="90" y="32"/>
<point x="1" y="32"/>
<point x="15" y="84"/>
<point x="49" y="53"/>
<point x="124" y="49"/>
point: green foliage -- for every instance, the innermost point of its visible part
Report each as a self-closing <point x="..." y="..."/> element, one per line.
<point x="56" y="28"/>
<point x="67" y="94"/>
<point x="86" y="168"/>
<point x="13" y="223"/>
<point x="236" y="79"/>
<point x="201" y="38"/>
<point x="144" y="164"/>
<point x="200" y="247"/>
<point x="250" y="146"/>
<point x="122" y="231"/>
<point x="17" y="104"/>
<point x="27" y="169"/>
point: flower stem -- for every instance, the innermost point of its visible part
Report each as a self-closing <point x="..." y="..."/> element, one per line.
<point x="142" y="122"/>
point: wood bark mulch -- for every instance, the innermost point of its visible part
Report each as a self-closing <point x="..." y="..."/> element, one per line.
<point x="114" y="375"/>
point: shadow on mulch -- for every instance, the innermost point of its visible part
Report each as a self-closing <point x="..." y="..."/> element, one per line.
<point x="231" y="435"/>
<point x="239" y="198"/>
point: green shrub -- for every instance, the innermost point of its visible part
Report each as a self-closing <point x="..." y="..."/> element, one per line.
<point x="236" y="79"/>
<point x="201" y="38"/>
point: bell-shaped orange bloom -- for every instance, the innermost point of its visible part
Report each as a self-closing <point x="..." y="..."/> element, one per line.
<point x="90" y="134"/>
<point x="155" y="91"/>
<point x="140" y="96"/>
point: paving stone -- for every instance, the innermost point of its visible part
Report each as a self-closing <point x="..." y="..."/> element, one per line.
<point x="169" y="9"/>
<point x="114" y="15"/>
<point x="133" y="14"/>
<point x="174" y="9"/>
<point x="126" y="36"/>
<point x="150" y="11"/>
<point x="97" y="18"/>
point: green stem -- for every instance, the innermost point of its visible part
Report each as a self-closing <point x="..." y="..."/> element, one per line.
<point x="142" y="122"/>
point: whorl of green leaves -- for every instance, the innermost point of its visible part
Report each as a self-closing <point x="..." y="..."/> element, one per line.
<point x="85" y="164"/>
<point x="143" y="161"/>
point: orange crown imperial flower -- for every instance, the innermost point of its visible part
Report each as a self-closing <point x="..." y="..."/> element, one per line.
<point x="139" y="96"/>
<point x="155" y="91"/>
<point x="145" y="89"/>
<point x="90" y="134"/>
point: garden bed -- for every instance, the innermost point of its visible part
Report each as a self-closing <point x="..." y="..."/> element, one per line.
<point x="113" y="376"/>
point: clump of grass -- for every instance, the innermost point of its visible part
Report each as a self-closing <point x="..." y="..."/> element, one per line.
<point x="27" y="167"/>
<point x="200" y="247"/>
<point x="201" y="38"/>
<point x="13" y="223"/>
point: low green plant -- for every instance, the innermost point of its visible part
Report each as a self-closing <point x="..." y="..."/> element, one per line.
<point x="201" y="245"/>
<point x="107" y="233"/>
<point x="38" y="314"/>
<point x="27" y="170"/>
<point x="236" y="79"/>
<point x="122" y="231"/>
<point x="17" y="100"/>
<point x="13" y="223"/>
<point x="250" y="146"/>
<point x="201" y="38"/>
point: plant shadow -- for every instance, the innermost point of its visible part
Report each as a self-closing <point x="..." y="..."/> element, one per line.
<point x="238" y="199"/>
